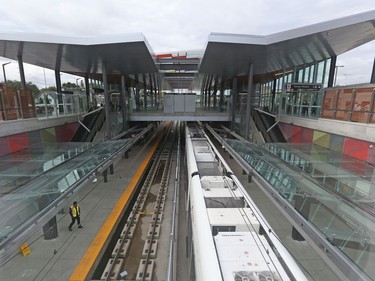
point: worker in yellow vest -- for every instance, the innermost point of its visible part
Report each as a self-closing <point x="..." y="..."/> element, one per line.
<point x="75" y="213"/>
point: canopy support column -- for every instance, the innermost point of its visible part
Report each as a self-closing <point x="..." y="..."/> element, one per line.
<point x="248" y="101"/>
<point x="123" y="101"/>
<point x="332" y="69"/>
<point x="234" y="102"/>
<point x="372" y="80"/>
<point x="145" y="91"/>
<point x="107" y="103"/>
<point x="87" y="90"/>
<point x="22" y="72"/>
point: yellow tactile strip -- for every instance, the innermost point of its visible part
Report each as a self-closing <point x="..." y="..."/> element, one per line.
<point x="87" y="261"/>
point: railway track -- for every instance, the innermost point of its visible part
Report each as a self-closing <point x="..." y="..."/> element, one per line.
<point x="136" y="253"/>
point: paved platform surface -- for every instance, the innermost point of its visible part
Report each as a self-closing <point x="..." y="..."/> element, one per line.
<point x="56" y="259"/>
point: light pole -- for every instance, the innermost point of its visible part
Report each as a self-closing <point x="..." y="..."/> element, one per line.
<point x="77" y="82"/>
<point x="336" y="70"/>
<point x="5" y="77"/>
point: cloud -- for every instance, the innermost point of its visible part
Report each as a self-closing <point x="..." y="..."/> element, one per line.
<point x="165" y="21"/>
<point x="358" y="64"/>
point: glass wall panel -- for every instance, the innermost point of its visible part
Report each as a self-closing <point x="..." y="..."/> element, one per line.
<point x="320" y="72"/>
<point x="348" y="228"/>
<point x="353" y="104"/>
<point x="329" y="104"/>
<point x="11" y="106"/>
<point x="326" y="74"/>
<point x="289" y="78"/>
<point x="311" y="74"/>
<point x="53" y="104"/>
<point x="362" y="103"/>
<point x="241" y="113"/>
<point x="301" y="103"/>
<point x="300" y="75"/>
<point x="344" y="104"/>
<point x="51" y="171"/>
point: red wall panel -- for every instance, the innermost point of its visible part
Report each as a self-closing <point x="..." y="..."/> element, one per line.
<point x="296" y="137"/>
<point x="4" y="148"/>
<point x="65" y="132"/>
<point x="287" y="131"/>
<point x="295" y="134"/>
<point x="307" y="135"/>
<point x="356" y="148"/>
<point x="18" y="142"/>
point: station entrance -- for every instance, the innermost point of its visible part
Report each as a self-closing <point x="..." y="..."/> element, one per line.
<point x="301" y="99"/>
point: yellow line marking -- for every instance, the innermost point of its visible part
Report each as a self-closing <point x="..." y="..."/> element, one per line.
<point x="87" y="261"/>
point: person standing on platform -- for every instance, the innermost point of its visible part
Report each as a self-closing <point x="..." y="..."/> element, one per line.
<point x="305" y="108"/>
<point x="75" y="213"/>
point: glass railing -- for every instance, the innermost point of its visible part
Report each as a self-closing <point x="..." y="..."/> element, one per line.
<point x="20" y="167"/>
<point x="54" y="105"/>
<point x="21" y="104"/>
<point x="349" y="229"/>
<point x="344" y="175"/>
<point x="165" y="104"/>
<point x="353" y="104"/>
<point x="59" y="168"/>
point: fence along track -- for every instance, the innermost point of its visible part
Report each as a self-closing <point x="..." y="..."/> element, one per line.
<point x="135" y="253"/>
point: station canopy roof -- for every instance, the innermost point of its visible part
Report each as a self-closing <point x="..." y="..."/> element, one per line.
<point x="229" y="55"/>
<point x="82" y="56"/>
<point x="225" y="55"/>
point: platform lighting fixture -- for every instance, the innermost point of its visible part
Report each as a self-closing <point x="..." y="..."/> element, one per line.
<point x="284" y="73"/>
<point x="5" y="77"/>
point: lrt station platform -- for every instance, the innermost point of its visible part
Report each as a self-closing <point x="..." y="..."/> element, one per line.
<point x="182" y="107"/>
<point x="51" y="251"/>
<point x="55" y="253"/>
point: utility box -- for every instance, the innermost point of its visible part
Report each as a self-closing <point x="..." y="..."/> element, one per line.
<point x="168" y="104"/>
<point x="190" y="103"/>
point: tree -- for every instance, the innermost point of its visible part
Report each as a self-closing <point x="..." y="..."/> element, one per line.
<point x="69" y="85"/>
<point x="48" y="89"/>
<point x="14" y="84"/>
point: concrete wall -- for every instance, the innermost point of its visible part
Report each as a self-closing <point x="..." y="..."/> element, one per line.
<point x="23" y="133"/>
<point x="353" y="139"/>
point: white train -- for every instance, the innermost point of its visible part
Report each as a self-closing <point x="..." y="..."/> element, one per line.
<point x="224" y="225"/>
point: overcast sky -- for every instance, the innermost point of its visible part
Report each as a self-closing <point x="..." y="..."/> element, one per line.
<point x="179" y="25"/>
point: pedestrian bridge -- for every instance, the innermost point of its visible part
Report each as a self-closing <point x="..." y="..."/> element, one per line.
<point x="200" y="115"/>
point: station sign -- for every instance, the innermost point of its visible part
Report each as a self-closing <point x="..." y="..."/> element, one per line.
<point x="303" y="86"/>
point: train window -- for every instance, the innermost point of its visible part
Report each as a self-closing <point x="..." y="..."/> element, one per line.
<point x="222" y="228"/>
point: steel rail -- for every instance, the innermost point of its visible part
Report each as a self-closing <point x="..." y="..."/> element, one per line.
<point x="143" y="192"/>
<point x="10" y="244"/>
<point x="142" y="196"/>
<point x="170" y="270"/>
<point x="168" y="148"/>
